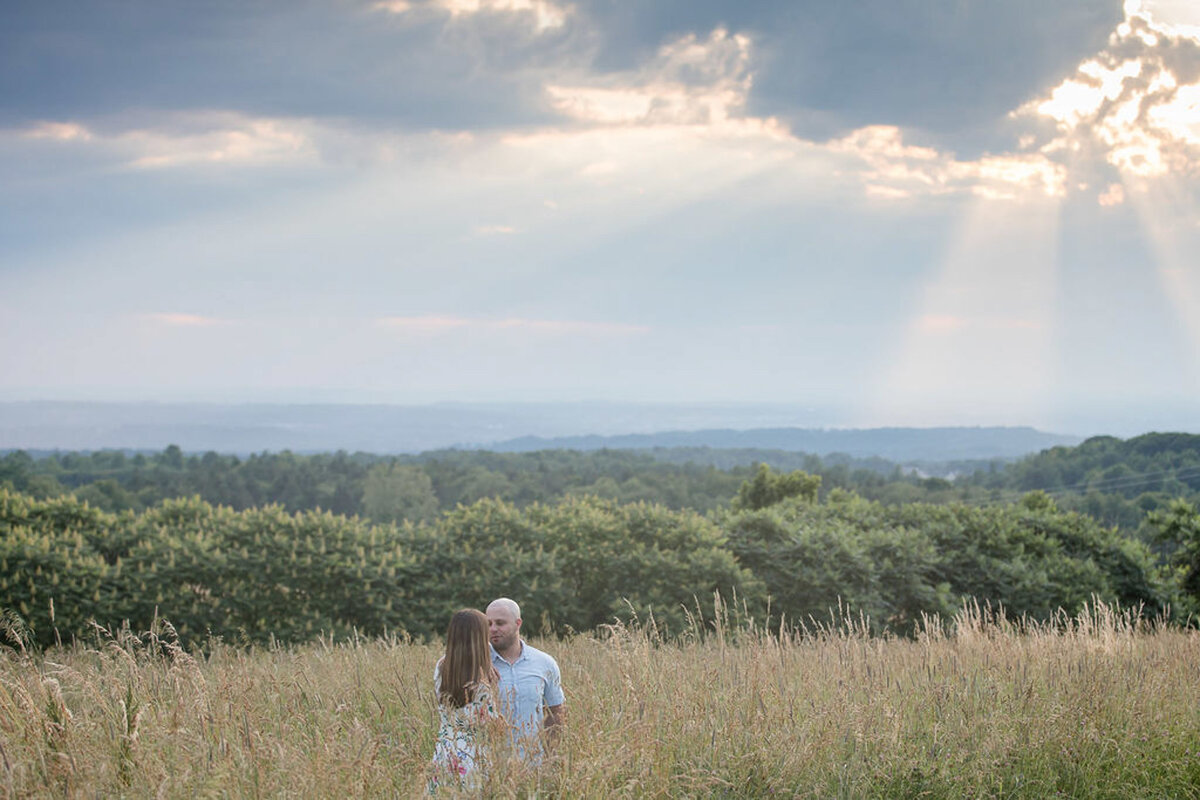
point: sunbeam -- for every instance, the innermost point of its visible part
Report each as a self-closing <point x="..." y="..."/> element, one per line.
<point x="980" y="344"/>
<point x="1170" y="217"/>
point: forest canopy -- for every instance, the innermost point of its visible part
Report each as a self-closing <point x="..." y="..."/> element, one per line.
<point x="1115" y="481"/>
<point x="281" y="547"/>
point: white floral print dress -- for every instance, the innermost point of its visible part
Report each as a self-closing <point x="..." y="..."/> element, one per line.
<point x="458" y="755"/>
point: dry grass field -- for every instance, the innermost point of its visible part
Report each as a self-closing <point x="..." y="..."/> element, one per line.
<point x="1094" y="706"/>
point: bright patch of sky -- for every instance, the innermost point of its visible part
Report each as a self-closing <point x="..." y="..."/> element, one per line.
<point x="423" y="200"/>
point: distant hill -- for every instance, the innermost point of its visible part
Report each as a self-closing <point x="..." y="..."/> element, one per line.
<point x="893" y="444"/>
<point x="242" y="429"/>
<point x="323" y="428"/>
<point x="1153" y="462"/>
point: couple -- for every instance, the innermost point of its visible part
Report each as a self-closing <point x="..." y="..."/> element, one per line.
<point x="506" y="687"/>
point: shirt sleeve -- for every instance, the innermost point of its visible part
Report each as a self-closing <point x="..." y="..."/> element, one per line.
<point x="554" y="691"/>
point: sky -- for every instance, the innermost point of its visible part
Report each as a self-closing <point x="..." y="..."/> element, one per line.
<point x="913" y="212"/>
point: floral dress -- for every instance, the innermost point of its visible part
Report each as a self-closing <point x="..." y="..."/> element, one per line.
<point x="458" y="755"/>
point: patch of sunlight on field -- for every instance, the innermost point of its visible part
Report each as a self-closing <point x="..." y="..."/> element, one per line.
<point x="1101" y="705"/>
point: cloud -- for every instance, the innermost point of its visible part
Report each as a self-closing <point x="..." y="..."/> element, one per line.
<point x="227" y="139"/>
<point x="386" y="71"/>
<point x="695" y="91"/>
<point x="1134" y="107"/>
<point x="886" y="192"/>
<point x="1114" y="195"/>
<point x="175" y="319"/>
<point x="897" y="170"/>
<point x="684" y="115"/>
<point x="180" y="140"/>
<point x="545" y="14"/>
<point x="690" y="81"/>
<point x="940" y="323"/>
<point x="1175" y="17"/>
<point x="494" y="230"/>
<point x="58" y="131"/>
<point x="483" y="64"/>
<point x="416" y="66"/>
<point x="825" y="69"/>
<point x="430" y="325"/>
<point x="682" y="119"/>
<point x="676" y="125"/>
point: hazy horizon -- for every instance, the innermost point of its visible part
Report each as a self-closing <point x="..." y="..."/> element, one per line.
<point x="382" y="428"/>
<point x="1123" y="422"/>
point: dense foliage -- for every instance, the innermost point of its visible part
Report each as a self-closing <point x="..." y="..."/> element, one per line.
<point x="384" y="488"/>
<point x="1115" y="481"/>
<point x="263" y="574"/>
<point x="286" y="546"/>
<point x="898" y="563"/>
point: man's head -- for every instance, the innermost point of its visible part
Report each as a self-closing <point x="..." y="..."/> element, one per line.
<point x="504" y="624"/>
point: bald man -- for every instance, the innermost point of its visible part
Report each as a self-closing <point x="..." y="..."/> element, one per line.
<point x="530" y="690"/>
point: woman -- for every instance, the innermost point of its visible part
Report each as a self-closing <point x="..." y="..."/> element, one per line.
<point x="464" y="681"/>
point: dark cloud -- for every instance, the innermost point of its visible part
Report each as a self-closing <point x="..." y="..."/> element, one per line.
<point x="952" y="68"/>
<point x="330" y="59"/>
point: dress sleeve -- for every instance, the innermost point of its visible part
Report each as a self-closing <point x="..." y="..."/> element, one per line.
<point x="487" y="704"/>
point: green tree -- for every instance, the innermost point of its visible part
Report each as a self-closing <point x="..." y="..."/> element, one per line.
<point x="768" y="487"/>
<point x="108" y="495"/>
<point x="398" y="492"/>
<point x="173" y="457"/>
<point x="1179" y="526"/>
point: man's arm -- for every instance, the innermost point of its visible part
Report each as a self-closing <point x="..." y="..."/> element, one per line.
<point x="555" y="720"/>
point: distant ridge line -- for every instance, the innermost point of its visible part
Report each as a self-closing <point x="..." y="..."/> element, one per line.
<point x="253" y="428"/>
<point x="894" y="443"/>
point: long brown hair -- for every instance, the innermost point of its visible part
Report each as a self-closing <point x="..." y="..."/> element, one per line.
<point x="467" y="664"/>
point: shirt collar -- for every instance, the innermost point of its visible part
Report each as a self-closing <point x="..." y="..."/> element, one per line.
<point x="496" y="655"/>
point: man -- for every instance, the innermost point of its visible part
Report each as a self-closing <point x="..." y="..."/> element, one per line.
<point x="530" y="687"/>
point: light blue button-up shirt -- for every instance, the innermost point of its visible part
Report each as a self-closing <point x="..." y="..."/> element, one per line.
<point x="527" y="687"/>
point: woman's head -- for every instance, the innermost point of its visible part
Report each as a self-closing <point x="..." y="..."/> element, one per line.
<point x="468" y="660"/>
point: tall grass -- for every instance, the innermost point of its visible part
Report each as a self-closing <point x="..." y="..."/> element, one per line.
<point x="1098" y="705"/>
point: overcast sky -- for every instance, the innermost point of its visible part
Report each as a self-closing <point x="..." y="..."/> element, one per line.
<point x="918" y="212"/>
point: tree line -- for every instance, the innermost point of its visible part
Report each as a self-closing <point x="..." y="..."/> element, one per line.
<point x="381" y="488"/>
<point x="786" y="551"/>
<point x="1115" y="481"/>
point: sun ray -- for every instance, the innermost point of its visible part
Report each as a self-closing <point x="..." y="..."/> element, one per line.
<point x="982" y="337"/>
<point x="1170" y="216"/>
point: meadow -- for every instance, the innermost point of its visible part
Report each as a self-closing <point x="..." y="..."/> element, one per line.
<point x="1101" y="704"/>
